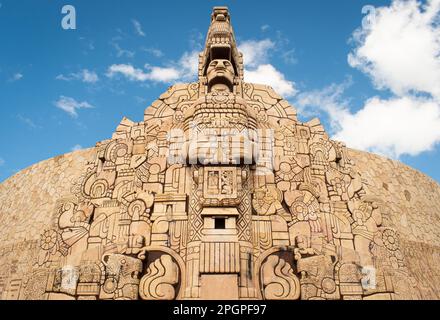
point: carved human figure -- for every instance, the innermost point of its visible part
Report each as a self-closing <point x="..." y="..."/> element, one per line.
<point x="122" y="277"/>
<point x="212" y="180"/>
<point x="226" y="183"/>
<point x="299" y="223"/>
<point x="317" y="275"/>
<point x="267" y="201"/>
<point x="302" y="247"/>
<point x="220" y="74"/>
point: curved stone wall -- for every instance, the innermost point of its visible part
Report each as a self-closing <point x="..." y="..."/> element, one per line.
<point x="220" y="185"/>
<point x="412" y="207"/>
<point x="28" y="201"/>
<point x="27" y="204"/>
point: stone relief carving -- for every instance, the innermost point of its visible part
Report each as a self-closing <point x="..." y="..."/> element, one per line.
<point x="160" y="279"/>
<point x="121" y="280"/>
<point x="279" y="281"/>
<point x="219" y="173"/>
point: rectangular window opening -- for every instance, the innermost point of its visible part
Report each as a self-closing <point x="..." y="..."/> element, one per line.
<point x="220" y="223"/>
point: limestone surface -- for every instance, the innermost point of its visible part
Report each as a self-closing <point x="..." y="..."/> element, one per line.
<point x="219" y="193"/>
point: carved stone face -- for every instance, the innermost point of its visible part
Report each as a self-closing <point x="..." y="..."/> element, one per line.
<point x="220" y="72"/>
<point x="301" y="242"/>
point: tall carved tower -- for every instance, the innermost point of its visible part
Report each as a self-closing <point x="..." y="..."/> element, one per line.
<point x="220" y="193"/>
<point x="221" y="129"/>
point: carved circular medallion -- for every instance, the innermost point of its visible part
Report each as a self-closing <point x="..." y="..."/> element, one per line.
<point x="328" y="285"/>
<point x="110" y="285"/>
<point x="390" y="241"/>
<point x="154" y="169"/>
<point x="48" y="239"/>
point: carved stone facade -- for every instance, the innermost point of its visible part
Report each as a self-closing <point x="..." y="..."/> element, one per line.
<point x="220" y="193"/>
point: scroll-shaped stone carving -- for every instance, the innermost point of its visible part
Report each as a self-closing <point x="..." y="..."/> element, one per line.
<point x="279" y="282"/>
<point x="117" y="151"/>
<point x="98" y="186"/>
<point x="160" y="280"/>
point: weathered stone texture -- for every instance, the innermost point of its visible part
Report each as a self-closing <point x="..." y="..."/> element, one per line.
<point x="219" y="185"/>
<point x="411" y="206"/>
<point x="27" y="208"/>
<point x="28" y="198"/>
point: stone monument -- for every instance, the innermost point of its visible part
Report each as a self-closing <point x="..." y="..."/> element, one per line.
<point x="220" y="193"/>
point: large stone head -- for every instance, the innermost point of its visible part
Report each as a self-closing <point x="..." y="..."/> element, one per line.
<point x="220" y="75"/>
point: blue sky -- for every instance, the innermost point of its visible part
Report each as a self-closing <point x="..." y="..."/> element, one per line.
<point x="375" y="86"/>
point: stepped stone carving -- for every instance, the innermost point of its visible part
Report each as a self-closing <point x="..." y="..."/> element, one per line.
<point x="219" y="193"/>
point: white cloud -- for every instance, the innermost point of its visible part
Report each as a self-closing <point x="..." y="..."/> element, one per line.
<point x="265" y="27"/>
<point x="76" y="147"/>
<point x="138" y="27"/>
<point x="189" y="64"/>
<point x="183" y="70"/>
<point x="329" y="100"/>
<point x="27" y="121"/>
<point x="89" y="76"/>
<point x="289" y="57"/>
<point x="165" y="75"/>
<point x="401" y="50"/>
<point x="120" y="52"/>
<point x="256" y="55"/>
<point x="140" y="100"/>
<point x="154" y="51"/>
<point x="83" y="75"/>
<point x="16" y="77"/>
<point x="255" y="52"/>
<point x="70" y="105"/>
<point x="268" y="75"/>
<point x="196" y="40"/>
<point x="2" y="162"/>
<point x="63" y="77"/>
<point x="393" y="127"/>
<point x="257" y="69"/>
<point x="128" y="71"/>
